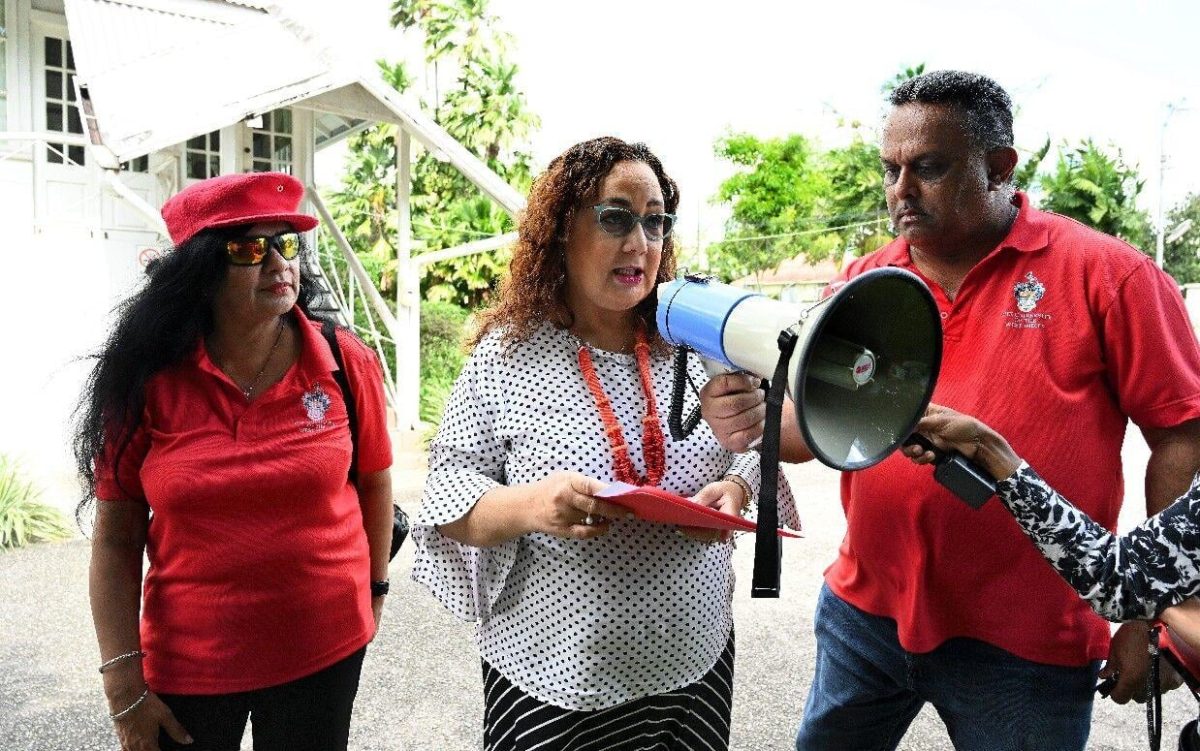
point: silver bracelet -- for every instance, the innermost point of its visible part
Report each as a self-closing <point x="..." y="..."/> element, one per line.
<point x="119" y="658"/>
<point x="137" y="703"/>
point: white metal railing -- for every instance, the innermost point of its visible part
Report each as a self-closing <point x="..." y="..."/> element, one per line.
<point x="354" y="291"/>
<point x="30" y="141"/>
<point x="21" y="142"/>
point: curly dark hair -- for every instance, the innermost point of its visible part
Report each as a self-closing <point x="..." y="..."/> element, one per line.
<point x="535" y="288"/>
<point x="159" y="326"/>
<point x="985" y="105"/>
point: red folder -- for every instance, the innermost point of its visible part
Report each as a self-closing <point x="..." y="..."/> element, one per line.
<point x="655" y="505"/>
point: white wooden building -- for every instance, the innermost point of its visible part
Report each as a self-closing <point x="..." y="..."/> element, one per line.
<point x="107" y="108"/>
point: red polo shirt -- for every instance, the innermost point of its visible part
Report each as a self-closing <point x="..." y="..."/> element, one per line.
<point x="1054" y="339"/>
<point x="259" y="567"/>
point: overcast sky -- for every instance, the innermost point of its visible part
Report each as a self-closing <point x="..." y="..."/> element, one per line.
<point x="678" y="74"/>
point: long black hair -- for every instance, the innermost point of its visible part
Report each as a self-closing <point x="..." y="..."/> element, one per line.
<point x="157" y="327"/>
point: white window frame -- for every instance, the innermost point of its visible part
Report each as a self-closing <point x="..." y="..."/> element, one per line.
<point x="270" y="133"/>
<point x="139" y="164"/>
<point x="209" y="153"/>
<point x="42" y="97"/>
<point x="7" y="17"/>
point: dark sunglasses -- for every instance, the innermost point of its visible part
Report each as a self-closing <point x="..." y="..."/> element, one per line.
<point x="251" y="251"/>
<point x="618" y="222"/>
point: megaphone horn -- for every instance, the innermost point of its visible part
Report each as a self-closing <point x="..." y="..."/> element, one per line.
<point x="864" y="366"/>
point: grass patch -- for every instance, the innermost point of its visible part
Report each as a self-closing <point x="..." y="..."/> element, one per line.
<point x="24" y="519"/>
<point x="443" y="326"/>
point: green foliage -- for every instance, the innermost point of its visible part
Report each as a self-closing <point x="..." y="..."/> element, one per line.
<point x="486" y="112"/>
<point x="23" y="518"/>
<point x="448" y="25"/>
<point x="779" y="188"/>
<point x="443" y="328"/>
<point x="856" y="207"/>
<point x="1026" y="172"/>
<point x="901" y="76"/>
<point x="1181" y="257"/>
<point x="791" y="199"/>
<point x="1098" y="190"/>
<point x="364" y="208"/>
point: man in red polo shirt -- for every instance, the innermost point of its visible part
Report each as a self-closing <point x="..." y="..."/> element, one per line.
<point x="1056" y="335"/>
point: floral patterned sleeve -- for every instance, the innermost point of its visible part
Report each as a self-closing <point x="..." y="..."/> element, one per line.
<point x="1135" y="576"/>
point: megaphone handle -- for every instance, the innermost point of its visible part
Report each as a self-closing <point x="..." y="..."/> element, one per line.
<point x="917" y="439"/>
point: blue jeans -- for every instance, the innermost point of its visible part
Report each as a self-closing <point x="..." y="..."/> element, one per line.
<point x="867" y="689"/>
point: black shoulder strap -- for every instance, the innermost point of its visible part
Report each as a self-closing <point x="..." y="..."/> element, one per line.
<point x="329" y="331"/>
<point x="767" y="551"/>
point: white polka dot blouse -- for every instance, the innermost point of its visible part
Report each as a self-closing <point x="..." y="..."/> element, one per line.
<point x="582" y="624"/>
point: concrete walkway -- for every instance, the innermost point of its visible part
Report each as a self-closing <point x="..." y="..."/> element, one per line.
<point x="421" y="682"/>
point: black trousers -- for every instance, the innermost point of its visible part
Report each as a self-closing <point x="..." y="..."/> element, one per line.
<point x="308" y="714"/>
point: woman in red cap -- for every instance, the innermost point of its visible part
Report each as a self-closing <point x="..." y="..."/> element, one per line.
<point x="215" y="438"/>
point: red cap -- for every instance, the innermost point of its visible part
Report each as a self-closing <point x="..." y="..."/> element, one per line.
<point x="230" y="200"/>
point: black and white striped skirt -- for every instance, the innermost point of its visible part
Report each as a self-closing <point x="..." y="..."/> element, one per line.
<point x="692" y="718"/>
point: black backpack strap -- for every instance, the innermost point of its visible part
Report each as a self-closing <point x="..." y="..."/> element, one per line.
<point x="329" y="331"/>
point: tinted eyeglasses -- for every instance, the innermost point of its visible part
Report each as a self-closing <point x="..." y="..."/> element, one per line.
<point x="251" y="251"/>
<point x="619" y="222"/>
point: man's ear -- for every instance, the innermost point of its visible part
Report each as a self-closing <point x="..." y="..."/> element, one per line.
<point x="1000" y="165"/>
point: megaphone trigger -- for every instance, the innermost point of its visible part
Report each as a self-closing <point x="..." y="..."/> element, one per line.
<point x="918" y="439"/>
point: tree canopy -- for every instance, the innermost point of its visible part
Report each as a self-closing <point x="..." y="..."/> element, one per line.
<point x="1181" y="256"/>
<point x="483" y="109"/>
<point x="1099" y="190"/>
<point x="790" y="198"/>
<point x="793" y="199"/>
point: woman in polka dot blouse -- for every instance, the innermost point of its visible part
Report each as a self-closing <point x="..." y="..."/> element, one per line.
<point x="596" y="631"/>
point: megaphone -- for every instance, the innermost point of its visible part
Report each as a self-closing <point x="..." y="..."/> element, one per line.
<point x="860" y="367"/>
<point x="863" y="367"/>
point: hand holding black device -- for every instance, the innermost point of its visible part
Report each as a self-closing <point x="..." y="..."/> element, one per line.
<point x="956" y="473"/>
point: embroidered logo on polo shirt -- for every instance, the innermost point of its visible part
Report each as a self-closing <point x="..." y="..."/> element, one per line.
<point x="316" y="403"/>
<point x="1028" y="293"/>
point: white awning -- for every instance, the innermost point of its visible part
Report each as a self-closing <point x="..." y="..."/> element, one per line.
<point x="158" y="72"/>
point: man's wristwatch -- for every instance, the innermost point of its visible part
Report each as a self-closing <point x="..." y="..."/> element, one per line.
<point x="379" y="589"/>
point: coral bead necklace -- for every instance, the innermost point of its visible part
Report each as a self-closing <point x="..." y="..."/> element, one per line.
<point x="653" y="442"/>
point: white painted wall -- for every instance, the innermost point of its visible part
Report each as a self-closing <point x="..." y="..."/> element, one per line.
<point x="58" y="283"/>
<point x="69" y="252"/>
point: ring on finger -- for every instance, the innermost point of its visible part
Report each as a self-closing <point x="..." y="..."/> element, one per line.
<point x="588" y="520"/>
